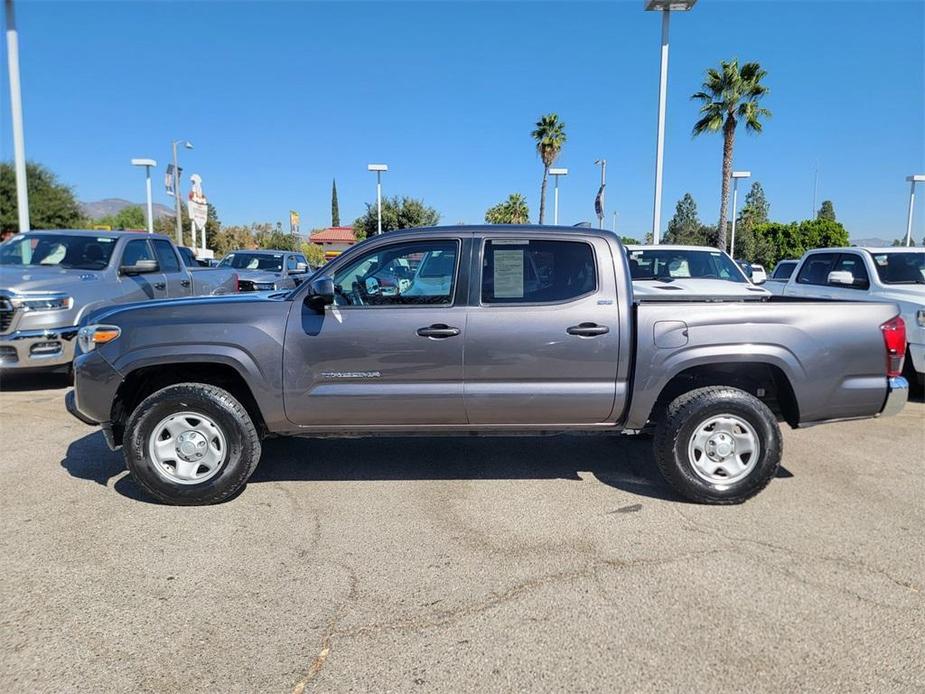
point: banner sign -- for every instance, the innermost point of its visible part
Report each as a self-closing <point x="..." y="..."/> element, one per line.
<point x="168" y="179"/>
<point x="599" y="202"/>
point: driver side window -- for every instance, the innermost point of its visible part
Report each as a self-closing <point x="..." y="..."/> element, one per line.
<point x="414" y="273"/>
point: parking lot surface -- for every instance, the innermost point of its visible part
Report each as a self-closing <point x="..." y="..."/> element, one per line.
<point x="460" y="564"/>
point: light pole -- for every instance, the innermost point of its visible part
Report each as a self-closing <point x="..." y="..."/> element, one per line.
<point x="176" y="187"/>
<point x="917" y="178"/>
<point x="19" y="143"/>
<point x="736" y="175"/>
<point x="556" y="173"/>
<point x="147" y="163"/>
<point x="599" y="200"/>
<point x="665" y="7"/>
<point x="379" y="169"/>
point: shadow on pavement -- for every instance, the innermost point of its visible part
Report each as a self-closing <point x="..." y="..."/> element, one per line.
<point x="23" y="381"/>
<point x="625" y="463"/>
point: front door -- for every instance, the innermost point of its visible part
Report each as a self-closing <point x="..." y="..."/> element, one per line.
<point x="389" y="351"/>
<point x="542" y="343"/>
<point x="148" y="285"/>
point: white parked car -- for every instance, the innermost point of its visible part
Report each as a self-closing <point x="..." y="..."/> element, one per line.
<point x="688" y="273"/>
<point x="895" y="275"/>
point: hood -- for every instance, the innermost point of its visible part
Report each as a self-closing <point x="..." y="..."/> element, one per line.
<point x="35" y="278"/>
<point x="185" y="305"/>
<point x="690" y="289"/>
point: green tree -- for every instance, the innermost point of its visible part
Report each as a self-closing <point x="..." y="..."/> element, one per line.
<point x="397" y="213"/>
<point x="230" y="238"/>
<point x="514" y="210"/>
<point x="778" y="241"/>
<point x="827" y="211"/>
<point x="754" y="213"/>
<point x="313" y="253"/>
<point x="335" y="208"/>
<point x="52" y="205"/>
<point x="131" y="217"/>
<point x="629" y="241"/>
<point x="684" y="226"/>
<point x="730" y="95"/>
<point x="550" y="139"/>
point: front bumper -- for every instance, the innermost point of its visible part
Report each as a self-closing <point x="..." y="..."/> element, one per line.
<point x="47" y="348"/>
<point x="896" y="395"/>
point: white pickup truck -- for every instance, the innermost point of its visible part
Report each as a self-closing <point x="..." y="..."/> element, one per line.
<point x="890" y="275"/>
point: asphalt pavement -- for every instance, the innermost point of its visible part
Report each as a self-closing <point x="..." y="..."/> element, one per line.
<point x="460" y="564"/>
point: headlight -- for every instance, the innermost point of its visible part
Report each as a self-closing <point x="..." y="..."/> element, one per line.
<point x="920" y="317"/>
<point x="51" y="301"/>
<point x="89" y="336"/>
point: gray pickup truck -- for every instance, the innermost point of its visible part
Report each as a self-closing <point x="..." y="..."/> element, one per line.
<point x="517" y="330"/>
<point x="50" y="280"/>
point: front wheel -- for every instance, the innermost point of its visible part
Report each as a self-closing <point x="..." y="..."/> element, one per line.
<point x="191" y="444"/>
<point x="718" y="445"/>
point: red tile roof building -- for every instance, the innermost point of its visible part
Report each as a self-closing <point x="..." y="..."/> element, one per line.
<point x="334" y="240"/>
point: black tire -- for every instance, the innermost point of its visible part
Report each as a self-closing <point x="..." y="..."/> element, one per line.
<point x="681" y="421"/>
<point x="242" y="450"/>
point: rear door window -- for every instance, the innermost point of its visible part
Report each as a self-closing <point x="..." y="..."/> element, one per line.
<point x="166" y="258"/>
<point x="532" y="271"/>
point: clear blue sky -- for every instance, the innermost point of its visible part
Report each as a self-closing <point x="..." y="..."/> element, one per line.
<point x="279" y="98"/>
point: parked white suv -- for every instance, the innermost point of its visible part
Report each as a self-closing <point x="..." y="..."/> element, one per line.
<point x="895" y="275"/>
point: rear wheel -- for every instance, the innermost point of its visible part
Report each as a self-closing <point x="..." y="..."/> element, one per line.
<point x="718" y="445"/>
<point x="191" y="444"/>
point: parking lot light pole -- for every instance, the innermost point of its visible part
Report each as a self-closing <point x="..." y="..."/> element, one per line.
<point x="665" y="7"/>
<point x="19" y="143"/>
<point x="736" y="175"/>
<point x="555" y="173"/>
<point x="176" y="187"/>
<point x="147" y="163"/>
<point x="379" y="169"/>
<point x="916" y="178"/>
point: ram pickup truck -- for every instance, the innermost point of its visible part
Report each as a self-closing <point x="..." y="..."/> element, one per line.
<point x="893" y="275"/>
<point x="50" y="280"/>
<point x="511" y="330"/>
<point x="267" y="270"/>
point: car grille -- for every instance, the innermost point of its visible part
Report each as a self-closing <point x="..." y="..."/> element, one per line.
<point x="245" y="286"/>
<point x="6" y="314"/>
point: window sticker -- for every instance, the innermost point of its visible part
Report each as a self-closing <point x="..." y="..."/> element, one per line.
<point x="509" y="274"/>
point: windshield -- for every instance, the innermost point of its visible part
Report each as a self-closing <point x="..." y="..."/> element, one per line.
<point x="71" y="251"/>
<point x="254" y="261"/>
<point x="900" y="268"/>
<point x="784" y="270"/>
<point x="669" y="264"/>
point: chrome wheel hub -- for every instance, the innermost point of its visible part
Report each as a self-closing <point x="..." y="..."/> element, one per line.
<point x="187" y="448"/>
<point x="723" y="449"/>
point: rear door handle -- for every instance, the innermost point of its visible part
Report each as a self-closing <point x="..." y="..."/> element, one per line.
<point x="160" y="285"/>
<point x="588" y="330"/>
<point x="184" y="283"/>
<point x="438" y="330"/>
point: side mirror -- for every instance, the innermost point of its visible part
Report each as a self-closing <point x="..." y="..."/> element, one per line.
<point x="301" y="267"/>
<point x="139" y="268"/>
<point x="320" y="293"/>
<point x="842" y="277"/>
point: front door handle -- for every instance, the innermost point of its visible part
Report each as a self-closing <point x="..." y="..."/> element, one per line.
<point x="588" y="330"/>
<point x="438" y="330"/>
<point x="160" y="285"/>
<point x="184" y="283"/>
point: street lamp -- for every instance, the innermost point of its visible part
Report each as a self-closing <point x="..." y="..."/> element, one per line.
<point x="147" y="163"/>
<point x="917" y="178"/>
<point x="665" y="7"/>
<point x="736" y="175"/>
<point x="19" y="146"/>
<point x="176" y="187"/>
<point x="379" y="169"/>
<point x="556" y="173"/>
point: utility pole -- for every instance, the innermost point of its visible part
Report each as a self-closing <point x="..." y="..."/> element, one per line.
<point x="19" y="143"/>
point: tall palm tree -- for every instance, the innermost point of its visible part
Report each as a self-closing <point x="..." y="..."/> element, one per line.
<point x="730" y="95"/>
<point x="550" y="138"/>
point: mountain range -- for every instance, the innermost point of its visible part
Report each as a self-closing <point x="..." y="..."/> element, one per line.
<point x="110" y="206"/>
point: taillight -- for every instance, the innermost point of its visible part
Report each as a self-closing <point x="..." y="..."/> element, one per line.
<point x="894" y="338"/>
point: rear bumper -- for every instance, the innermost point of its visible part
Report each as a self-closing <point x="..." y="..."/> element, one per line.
<point x="29" y="349"/>
<point x="896" y="395"/>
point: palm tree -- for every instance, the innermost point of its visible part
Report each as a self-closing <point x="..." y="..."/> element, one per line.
<point x="729" y="95"/>
<point x="514" y="210"/>
<point x="550" y="138"/>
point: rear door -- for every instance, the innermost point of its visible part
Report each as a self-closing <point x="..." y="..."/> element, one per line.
<point x="175" y="274"/>
<point x="148" y="285"/>
<point x="542" y="339"/>
<point x="387" y="352"/>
